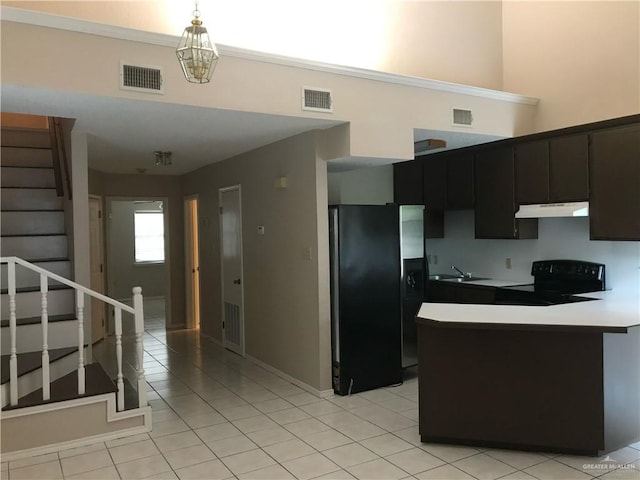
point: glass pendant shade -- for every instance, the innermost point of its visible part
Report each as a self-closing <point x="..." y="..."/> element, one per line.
<point x="197" y="55"/>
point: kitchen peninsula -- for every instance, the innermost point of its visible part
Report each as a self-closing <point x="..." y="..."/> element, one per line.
<point x="560" y="378"/>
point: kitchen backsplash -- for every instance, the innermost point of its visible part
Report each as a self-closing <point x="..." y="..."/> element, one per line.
<point x="557" y="238"/>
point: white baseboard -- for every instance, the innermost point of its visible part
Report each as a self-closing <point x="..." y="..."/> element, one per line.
<point x="289" y="378"/>
<point x="280" y="373"/>
<point x="275" y="371"/>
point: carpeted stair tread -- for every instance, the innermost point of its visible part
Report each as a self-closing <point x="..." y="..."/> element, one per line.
<point x="35" y="320"/>
<point x="52" y="287"/>
<point x="97" y="382"/>
<point x="30" y="361"/>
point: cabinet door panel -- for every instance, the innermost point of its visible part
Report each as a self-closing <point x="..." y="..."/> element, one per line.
<point x="478" y="295"/>
<point x="494" y="212"/>
<point x="495" y="197"/>
<point x="407" y="183"/>
<point x="569" y="168"/>
<point x="435" y="182"/>
<point x="433" y="223"/>
<point x="614" y="203"/>
<point x="460" y="194"/>
<point x="532" y="172"/>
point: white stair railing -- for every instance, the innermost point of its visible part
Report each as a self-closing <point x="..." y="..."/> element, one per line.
<point x="80" y="292"/>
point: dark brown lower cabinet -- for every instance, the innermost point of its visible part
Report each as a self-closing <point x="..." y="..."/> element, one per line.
<point x="572" y="389"/>
<point x="454" y="292"/>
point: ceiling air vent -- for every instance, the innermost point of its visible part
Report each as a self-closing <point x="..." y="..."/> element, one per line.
<point x="462" y="117"/>
<point x="317" y="100"/>
<point x="141" y="78"/>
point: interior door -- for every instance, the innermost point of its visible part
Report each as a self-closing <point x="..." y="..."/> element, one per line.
<point x="231" y="261"/>
<point x="192" y="262"/>
<point x="96" y="255"/>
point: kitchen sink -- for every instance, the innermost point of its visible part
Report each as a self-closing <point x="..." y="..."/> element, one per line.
<point x="463" y="279"/>
<point x="442" y="276"/>
<point x="454" y="278"/>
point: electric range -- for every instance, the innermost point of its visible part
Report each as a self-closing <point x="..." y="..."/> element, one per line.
<point x="555" y="282"/>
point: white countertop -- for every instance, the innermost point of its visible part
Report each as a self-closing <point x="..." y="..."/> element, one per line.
<point x="611" y="310"/>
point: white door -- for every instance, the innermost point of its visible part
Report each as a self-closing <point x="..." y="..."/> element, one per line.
<point x="192" y="262"/>
<point x="231" y="261"/>
<point x="97" y="268"/>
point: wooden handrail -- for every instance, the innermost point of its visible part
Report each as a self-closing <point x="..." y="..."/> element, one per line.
<point x="55" y="156"/>
<point x="59" y="164"/>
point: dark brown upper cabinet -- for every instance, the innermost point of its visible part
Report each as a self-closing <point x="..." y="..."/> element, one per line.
<point x="460" y="187"/>
<point x="495" y="204"/>
<point x="532" y="172"/>
<point x="614" y="201"/>
<point x="553" y="170"/>
<point x="407" y="183"/>
<point x="569" y="168"/>
<point x="434" y="170"/>
<point x="448" y="181"/>
<point x="433" y="224"/>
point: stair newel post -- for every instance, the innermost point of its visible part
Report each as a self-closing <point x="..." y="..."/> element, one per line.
<point x="46" y="379"/>
<point x="13" y="354"/>
<point x="80" y="315"/>
<point x="139" y="321"/>
<point x="120" y="380"/>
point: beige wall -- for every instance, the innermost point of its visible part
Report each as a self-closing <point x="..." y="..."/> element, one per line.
<point x="154" y="186"/>
<point x="362" y="186"/>
<point x="453" y="41"/>
<point x="582" y="59"/>
<point x="457" y="41"/>
<point x="382" y="115"/>
<point x="124" y="274"/>
<point x="282" y="289"/>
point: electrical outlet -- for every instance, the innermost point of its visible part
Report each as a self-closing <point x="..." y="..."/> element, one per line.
<point x="435" y="259"/>
<point x="507" y="263"/>
<point x="306" y="253"/>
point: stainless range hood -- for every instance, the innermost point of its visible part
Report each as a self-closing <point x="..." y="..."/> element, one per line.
<point x="571" y="209"/>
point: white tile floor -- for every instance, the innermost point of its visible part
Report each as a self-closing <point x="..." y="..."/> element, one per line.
<point x="218" y="416"/>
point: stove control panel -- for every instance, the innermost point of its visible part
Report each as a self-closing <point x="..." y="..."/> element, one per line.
<point x="568" y="269"/>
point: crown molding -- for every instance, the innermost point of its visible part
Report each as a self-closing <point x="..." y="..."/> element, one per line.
<point x="47" y="20"/>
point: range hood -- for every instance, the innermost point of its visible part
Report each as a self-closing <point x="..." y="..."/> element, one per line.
<point x="571" y="209"/>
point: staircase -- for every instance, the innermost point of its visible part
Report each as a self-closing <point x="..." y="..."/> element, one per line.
<point x="32" y="227"/>
<point x="47" y="378"/>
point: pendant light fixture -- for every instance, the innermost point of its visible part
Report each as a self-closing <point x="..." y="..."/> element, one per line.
<point x="196" y="54"/>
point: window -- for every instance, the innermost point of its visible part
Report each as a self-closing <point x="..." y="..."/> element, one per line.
<point x="149" y="237"/>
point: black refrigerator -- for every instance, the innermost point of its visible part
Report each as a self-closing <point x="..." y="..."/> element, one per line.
<point x="364" y="247"/>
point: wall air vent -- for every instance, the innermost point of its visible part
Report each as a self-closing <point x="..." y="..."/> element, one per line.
<point x="141" y="78"/>
<point x="317" y="100"/>
<point x="462" y="117"/>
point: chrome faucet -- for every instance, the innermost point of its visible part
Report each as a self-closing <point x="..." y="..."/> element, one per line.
<point x="462" y="274"/>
